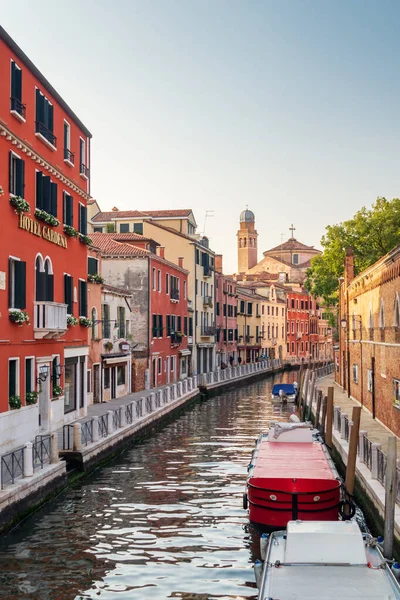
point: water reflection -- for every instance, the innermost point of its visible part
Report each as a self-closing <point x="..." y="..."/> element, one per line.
<point x="164" y="520"/>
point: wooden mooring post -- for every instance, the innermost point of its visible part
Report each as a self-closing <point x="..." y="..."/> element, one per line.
<point x="303" y="403"/>
<point x="390" y="497"/>
<point x="329" y="418"/>
<point x="323" y="416"/>
<point x="352" y="456"/>
<point x="318" y="409"/>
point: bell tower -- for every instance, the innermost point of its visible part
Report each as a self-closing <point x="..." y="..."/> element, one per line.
<point x="247" y="241"/>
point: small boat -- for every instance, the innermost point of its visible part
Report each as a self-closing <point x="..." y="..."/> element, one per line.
<point x="292" y="476"/>
<point x="324" y="560"/>
<point x="283" y="392"/>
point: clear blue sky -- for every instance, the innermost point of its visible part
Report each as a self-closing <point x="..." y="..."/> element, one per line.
<point x="291" y="106"/>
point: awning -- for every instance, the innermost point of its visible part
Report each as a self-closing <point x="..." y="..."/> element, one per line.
<point x="185" y="352"/>
<point x="118" y="360"/>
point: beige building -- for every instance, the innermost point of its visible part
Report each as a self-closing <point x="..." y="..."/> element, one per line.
<point x="250" y="335"/>
<point x="131" y="221"/>
<point x="247" y="242"/>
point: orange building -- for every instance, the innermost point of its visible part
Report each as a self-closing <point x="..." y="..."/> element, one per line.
<point x="44" y="175"/>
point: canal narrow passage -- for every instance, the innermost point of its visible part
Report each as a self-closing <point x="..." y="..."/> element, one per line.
<point x="163" y="520"/>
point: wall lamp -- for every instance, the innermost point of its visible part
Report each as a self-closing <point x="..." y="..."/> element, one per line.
<point x="57" y="371"/>
<point x="355" y="318"/>
<point x="44" y="372"/>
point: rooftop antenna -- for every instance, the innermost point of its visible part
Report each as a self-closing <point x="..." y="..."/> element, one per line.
<point x="209" y="213"/>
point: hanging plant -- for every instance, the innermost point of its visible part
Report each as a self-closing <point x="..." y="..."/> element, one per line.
<point x="42" y="215"/>
<point x="85" y="239"/>
<point x="31" y="397"/>
<point x="108" y="346"/>
<point x="19" y="316"/>
<point x="69" y="230"/>
<point x="95" y="278"/>
<point x="57" y="391"/>
<point x="71" y="320"/>
<point x="14" y="402"/>
<point x="85" y="322"/>
<point x="1" y="191"/>
<point x="20" y="205"/>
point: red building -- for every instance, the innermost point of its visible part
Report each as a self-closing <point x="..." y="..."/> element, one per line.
<point x="298" y="324"/>
<point x="44" y="174"/>
<point x="225" y="316"/>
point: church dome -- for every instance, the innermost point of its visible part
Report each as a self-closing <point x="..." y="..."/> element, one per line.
<point x="247" y="215"/>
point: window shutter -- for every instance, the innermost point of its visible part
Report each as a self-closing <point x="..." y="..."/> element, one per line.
<point x="20" y="178"/>
<point x="82" y="219"/>
<point x="40" y="286"/>
<point x="20" y="284"/>
<point x="68" y="281"/>
<point x="11" y="282"/>
<point x="185" y="325"/>
<point x="50" y="118"/>
<point x="82" y="299"/>
<point x="46" y="193"/>
<point x="92" y="266"/>
<point x="10" y="177"/>
<point x="39" y="189"/>
<point x="154" y="332"/>
<point x="39" y="106"/>
<point x="190" y="326"/>
<point x="49" y="287"/>
<point x="168" y="324"/>
<point x="12" y="377"/>
<point x="17" y="93"/>
<point x="13" y="81"/>
<point x="160" y="326"/>
<point x="179" y="325"/>
<point x="106" y="321"/>
<point x="53" y="199"/>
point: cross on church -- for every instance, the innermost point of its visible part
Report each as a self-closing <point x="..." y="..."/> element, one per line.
<point x="292" y="229"/>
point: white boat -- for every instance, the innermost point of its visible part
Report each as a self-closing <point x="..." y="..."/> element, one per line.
<point x="283" y="392"/>
<point x="324" y="560"/>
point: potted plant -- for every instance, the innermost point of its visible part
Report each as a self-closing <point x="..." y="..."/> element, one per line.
<point x="31" y="397"/>
<point x="19" y="316"/>
<point x="85" y="239"/>
<point x="14" y="402"/>
<point x="20" y="205"/>
<point x="69" y="230"/>
<point x="85" y="322"/>
<point x="71" y="320"/>
<point x="57" y="391"/>
<point x="49" y="219"/>
<point x="108" y="346"/>
<point x="95" y="278"/>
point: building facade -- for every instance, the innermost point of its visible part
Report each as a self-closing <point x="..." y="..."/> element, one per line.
<point x="250" y="336"/>
<point x="226" y="326"/>
<point x="299" y="304"/>
<point x="247" y="237"/>
<point x="368" y="358"/>
<point x="44" y="174"/>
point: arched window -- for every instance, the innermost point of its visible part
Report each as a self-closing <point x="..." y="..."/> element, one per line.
<point x="94" y="324"/>
<point x="244" y="242"/>
<point x="370" y="318"/>
<point x="49" y="277"/>
<point x="396" y="320"/>
<point x="44" y="280"/>
<point x="382" y="315"/>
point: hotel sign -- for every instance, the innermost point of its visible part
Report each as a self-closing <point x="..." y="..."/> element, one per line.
<point x="42" y="231"/>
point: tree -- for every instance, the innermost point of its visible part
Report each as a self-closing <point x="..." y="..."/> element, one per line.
<point x="371" y="233"/>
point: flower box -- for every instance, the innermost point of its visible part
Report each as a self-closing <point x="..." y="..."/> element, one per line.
<point x="44" y="216"/>
<point x="84" y="239"/>
<point x="69" y="230"/>
<point x="19" y="316"/>
<point x="20" y="205"/>
<point x="71" y="320"/>
<point x="85" y="322"/>
<point x="95" y="278"/>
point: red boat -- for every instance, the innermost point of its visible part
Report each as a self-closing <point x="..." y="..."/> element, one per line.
<point x="291" y="476"/>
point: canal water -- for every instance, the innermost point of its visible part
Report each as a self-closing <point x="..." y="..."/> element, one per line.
<point x="163" y="520"/>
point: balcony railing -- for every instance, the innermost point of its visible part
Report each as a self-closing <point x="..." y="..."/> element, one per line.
<point x="176" y="338"/>
<point x="50" y="319"/>
<point x="207" y="271"/>
<point x="83" y="170"/>
<point x="207" y="331"/>
<point x="174" y="294"/>
<point x="69" y="156"/>
<point x="42" y="130"/>
<point x="17" y="106"/>
<point x="208" y="301"/>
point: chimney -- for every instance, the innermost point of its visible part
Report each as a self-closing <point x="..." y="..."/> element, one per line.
<point x="348" y="266"/>
<point x="180" y="262"/>
<point x="218" y="262"/>
<point x="160" y="251"/>
<point x="115" y="209"/>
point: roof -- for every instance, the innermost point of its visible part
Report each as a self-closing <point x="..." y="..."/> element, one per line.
<point x="40" y="77"/>
<point x="247" y="215"/>
<point x="125" y="237"/>
<point x="291" y="244"/>
<point x="115" y="290"/>
<point x="184" y="235"/>
<point x="102" y="217"/>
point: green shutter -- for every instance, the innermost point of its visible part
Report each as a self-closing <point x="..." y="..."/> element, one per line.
<point x="12" y="377"/>
<point x="39" y="189"/>
<point x="53" y="199"/>
<point x="20" y="178"/>
<point x="82" y="299"/>
<point x="28" y="375"/>
<point x="68" y="283"/>
<point x="19" y="284"/>
<point x="46" y="193"/>
<point x="10" y="173"/>
<point x="92" y="266"/>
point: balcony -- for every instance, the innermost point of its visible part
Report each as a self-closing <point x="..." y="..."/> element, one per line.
<point x="207" y="331"/>
<point x="176" y="338"/>
<point x="174" y="295"/>
<point x="207" y="271"/>
<point x="190" y="306"/>
<point x="17" y="108"/>
<point x="50" y="320"/>
<point x="299" y="335"/>
<point x="45" y="135"/>
<point x="84" y="171"/>
<point x="69" y="157"/>
<point x="208" y="301"/>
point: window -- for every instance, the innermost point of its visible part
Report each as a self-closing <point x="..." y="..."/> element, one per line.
<point x="94" y="324"/>
<point x="92" y="265"/>
<point x="154" y="279"/>
<point x="124" y="227"/>
<point x="98" y="229"/>
<point x="69" y="157"/>
<point x="190" y="326"/>
<point x="173" y="363"/>
<point x="197" y="256"/>
<point x="167" y="283"/>
<point x="46" y="194"/>
<point x="292" y="302"/>
<point x="16" y="283"/>
<point x="382" y="315"/>
<point x="159" y="280"/>
<point x="82" y="157"/>
<point x="105" y="316"/>
<point x="185" y="325"/>
<point x="355" y="373"/>
<point x="106" y="378"/>
<point x="249" y="308"/>
<point x="295" y="259"/>
<point x="369" y="380"/>
<point x="159" y="365"/>
<point x="44" y="119"/>
<point x="13" y="377"/>
<point x="268" y="310"/>
<point x="184" y="290"/>
<point x="396" y="319"/>
<point x="29" y="376"/>
<point x="82" y="219"/>
<point x="68" y="293"/>
<point x="138" y="228"/>
<point x="272" y="310"/>
<point x="121" y="321"/>
<point x="68" y="209"/>
<point x="120" y="375"/>
<point x="44" y="280"/>
<point x="396" y="393"/>
<point x="292" y="347"/>
<point x="17" y="175"/>
<point x="82" y="298"/>
<point x="302" y="346"/>
<point x="88" y="381"/>
<point x="16" y="105"/>
<point x="292" y="326"/>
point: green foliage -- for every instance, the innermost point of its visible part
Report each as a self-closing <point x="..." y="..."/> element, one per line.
<point x="57" y="391"/>
<point x="31" y="397"/>
<point x="110" y="228"/>
<point x="371" y="233"/>
<point x="49" y="219"/>
<point x="14" y="402"/>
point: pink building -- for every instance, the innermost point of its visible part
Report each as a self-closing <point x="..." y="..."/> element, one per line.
<point x="225" y="316"/>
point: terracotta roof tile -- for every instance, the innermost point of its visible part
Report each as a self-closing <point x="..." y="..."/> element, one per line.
<point x="107" y="245"/>
<point x="131" y="214"/>
<point x="291" y="244"/>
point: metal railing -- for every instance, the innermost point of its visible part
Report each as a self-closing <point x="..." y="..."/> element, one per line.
<point x="41" y="451"/>
<point x="87" y="432"/>
<point x="70" y="156"/>
<point x="381" y="465"/>
<point x="83" y="170"/>
<point x="174" y="294"/>
<point x="207" y="331"/>
<point x="129" y="414"/>
<point x="12" y="466"/>
<point x="346" y="428"/>
<point x="103" y="425"/>
<point x="17" y="106"/>
<point x="367" y="446"/>
<point x="116" y="418"/>
<point x="46" y="133"/>
<point x="68" y="437"/>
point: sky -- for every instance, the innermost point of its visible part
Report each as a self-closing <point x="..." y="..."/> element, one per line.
<point x="289" y="106"/>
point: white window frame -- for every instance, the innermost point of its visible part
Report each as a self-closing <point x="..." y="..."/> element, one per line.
<point x="14" y="154"/>
<point x="159" y="365"/>
<point x="84" y="157"/>
<point x="89" y="381"/>
<point x="15" y="113"/>
<point x="11" y="283"/>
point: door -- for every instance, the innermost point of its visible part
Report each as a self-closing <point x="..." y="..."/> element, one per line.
<point x="113" y="382"/>
<point x="154" y="373"/>
<point x="168" y="369"/>
<point x="96" y="383"/>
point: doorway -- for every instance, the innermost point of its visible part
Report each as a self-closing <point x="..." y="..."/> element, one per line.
<point x="96" y="383"/>
<point x="113" y="382"/>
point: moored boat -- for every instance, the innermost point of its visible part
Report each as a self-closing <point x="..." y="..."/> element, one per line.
<point x="291" y="476"/>
<point x="283" y="392"/>
<point x="325" y="560"/>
